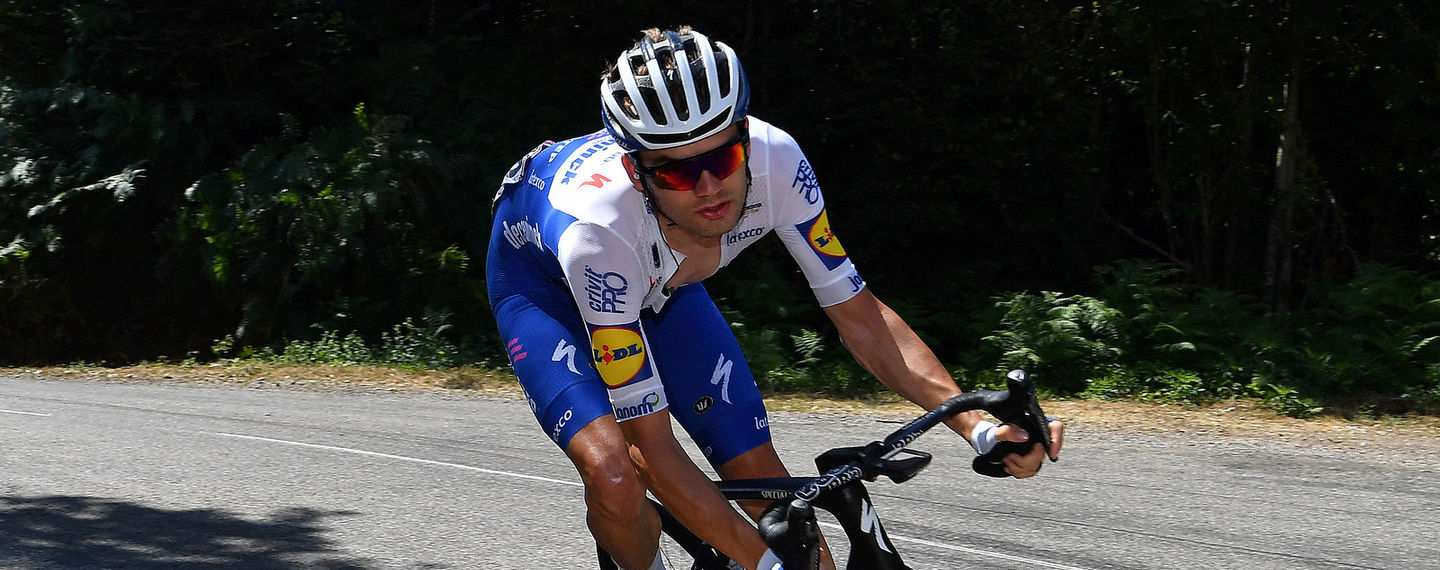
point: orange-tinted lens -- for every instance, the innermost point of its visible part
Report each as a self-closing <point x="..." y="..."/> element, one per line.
<point x="684" y="175"/>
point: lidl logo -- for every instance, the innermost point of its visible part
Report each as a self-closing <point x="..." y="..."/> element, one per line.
<point x="823" y="241"/>
<point x="619" y="354"/>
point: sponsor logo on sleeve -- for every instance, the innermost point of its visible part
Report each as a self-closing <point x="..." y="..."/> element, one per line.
<point x="822" y="240"/>
<point x="605" y="291"/>
<point x="856" y="282"/>
<point x="619" y="354"/>
<point x="806" y="183"/>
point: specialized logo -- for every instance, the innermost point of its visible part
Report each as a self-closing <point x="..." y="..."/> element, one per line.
<point x="703" y="405"/>
<point x="742" y="235"/>
<point x="606" y="291"/>
<point x="521" y="233"/>
<point x="721" y="377"/>
<point x="646" y="406"/>
<point x="823" y="241"/>
<point x="809" y="187"/>
<point x="565" y="352"/>
<point x="870" y="520"/>
<point x="619" y="354"/>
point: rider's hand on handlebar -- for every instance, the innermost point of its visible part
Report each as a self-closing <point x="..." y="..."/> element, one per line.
<point x="1027" y="465"/>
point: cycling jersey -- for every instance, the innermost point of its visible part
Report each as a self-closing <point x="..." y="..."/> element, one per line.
<point x="571" y="229"/>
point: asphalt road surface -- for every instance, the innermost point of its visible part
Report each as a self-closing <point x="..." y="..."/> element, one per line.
<point x="169" y="475"/>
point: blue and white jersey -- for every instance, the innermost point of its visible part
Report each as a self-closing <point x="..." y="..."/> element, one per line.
<point x="572" y="221"/>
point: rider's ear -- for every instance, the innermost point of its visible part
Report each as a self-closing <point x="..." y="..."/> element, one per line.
<point x="630" y="170"/>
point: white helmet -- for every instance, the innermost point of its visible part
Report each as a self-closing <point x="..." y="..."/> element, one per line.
<point x="673" y="91"/>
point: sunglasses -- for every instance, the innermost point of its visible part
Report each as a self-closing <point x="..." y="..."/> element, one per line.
<point x="684" y="175"/>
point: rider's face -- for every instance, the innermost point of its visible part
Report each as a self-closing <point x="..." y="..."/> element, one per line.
<point x="714" y="206"/>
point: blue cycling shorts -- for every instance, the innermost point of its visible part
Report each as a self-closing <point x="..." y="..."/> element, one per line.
<point x="711" y="390"/>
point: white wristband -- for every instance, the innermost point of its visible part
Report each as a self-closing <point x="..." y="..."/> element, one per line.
<point x="982" y="438"/>
<point x="769" y="561"/>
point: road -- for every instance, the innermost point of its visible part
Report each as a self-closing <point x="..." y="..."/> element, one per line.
<point x="170" y="475"/>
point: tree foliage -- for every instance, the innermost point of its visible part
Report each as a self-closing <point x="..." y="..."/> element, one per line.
<point x="171" y="174"/>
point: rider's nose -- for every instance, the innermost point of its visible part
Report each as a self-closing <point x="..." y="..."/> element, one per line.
<point x="708" y="185"/>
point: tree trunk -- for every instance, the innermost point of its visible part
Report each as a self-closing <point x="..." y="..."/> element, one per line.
<point x="1279" y="241"/>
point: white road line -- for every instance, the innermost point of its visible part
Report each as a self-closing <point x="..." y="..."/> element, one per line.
<point x="400" y="458"/>
<point x="24" y="413"/>
<point x="977" y="552"/>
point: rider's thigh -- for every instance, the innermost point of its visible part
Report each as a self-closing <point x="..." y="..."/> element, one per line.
<point x="707" y="380"/>
<point x="760" y="462"/>
<point x="548" y="351"/>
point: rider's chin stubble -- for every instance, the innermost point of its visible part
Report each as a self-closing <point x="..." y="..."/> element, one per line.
<point x="669" y="221"/>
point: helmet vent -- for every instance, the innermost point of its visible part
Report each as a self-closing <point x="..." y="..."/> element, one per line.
<point x="672" y="88"/>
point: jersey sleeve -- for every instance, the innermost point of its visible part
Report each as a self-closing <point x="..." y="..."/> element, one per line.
<point x="804" y="227"/>
<point x="607" y="281"/>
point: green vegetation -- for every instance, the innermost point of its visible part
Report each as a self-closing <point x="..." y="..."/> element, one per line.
<point x="407" y="345"/>
<point x="309" y="181"/>
<point x="1369" y="343"/>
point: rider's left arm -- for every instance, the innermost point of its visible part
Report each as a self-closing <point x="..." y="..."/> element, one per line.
<point x="887" y="347"/>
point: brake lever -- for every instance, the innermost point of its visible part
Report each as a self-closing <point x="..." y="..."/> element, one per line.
<point x="1025" y="413"/>
<point x="791" y="530"/>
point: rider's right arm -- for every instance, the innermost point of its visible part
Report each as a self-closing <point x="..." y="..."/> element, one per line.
<point x="608" y="284"/>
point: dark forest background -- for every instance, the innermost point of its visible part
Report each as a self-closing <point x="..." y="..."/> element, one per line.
<point x="1132" y="198"/>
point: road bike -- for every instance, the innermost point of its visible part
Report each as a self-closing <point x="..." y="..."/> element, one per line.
<point x="789" y="526"/>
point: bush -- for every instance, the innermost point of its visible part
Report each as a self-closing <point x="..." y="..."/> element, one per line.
<point x="1374" y="338"/>
<point x="405" y="345"/>
<point x="1065" y="339"/>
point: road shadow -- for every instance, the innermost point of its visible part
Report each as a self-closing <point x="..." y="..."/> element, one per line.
<point x="88" y="532"/>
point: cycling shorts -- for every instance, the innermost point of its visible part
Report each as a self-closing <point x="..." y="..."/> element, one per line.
<point x="709" y="386"/>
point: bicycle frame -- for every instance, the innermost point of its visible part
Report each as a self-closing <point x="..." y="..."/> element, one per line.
<point x="850" y="503"/>
<point x="840" y="488"/>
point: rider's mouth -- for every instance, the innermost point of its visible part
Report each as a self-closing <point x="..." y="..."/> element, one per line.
<point x="716" y="211"/>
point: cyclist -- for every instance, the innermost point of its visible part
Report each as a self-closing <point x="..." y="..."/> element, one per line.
<point x="594" y="267"/>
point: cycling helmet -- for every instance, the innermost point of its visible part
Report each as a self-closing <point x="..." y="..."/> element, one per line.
<point x="673" y="91"/>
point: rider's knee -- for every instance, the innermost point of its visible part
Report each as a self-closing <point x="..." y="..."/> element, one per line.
<point x="612" y="488"/>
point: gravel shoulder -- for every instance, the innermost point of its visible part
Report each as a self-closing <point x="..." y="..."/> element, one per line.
<point x="1411" y="441"/>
